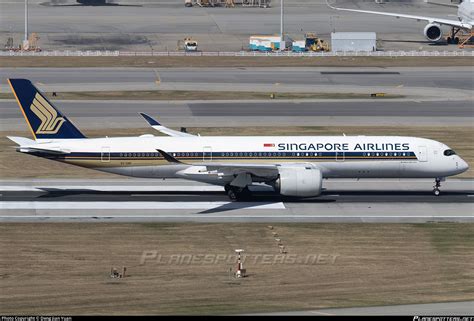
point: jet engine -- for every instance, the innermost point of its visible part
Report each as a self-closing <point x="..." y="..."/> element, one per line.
<point x="433" y="32"/>
<point x="299" y="181"/>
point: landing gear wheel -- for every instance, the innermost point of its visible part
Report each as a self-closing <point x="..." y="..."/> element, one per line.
<point x="436" y="190"/>
<point x="245" y="194"/>
<point x="449" y="40"/>
<point x="237" y="193"/>
<point x="232" y="195"/>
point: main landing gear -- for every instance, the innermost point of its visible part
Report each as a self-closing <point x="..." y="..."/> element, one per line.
<point x="436" y="187"/>
<point x="237" y="193"/>
<point x="452" y="38"/>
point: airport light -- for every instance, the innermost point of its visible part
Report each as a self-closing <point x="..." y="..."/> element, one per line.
<point x="282" y="41"/>
<point x="240" y="268"/>
<point x="25" y="41"/>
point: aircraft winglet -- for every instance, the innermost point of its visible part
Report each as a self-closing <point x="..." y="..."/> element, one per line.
<point x="165" y="130"/>
<point x="150" y="120"/>
<point x="168" y="157"/>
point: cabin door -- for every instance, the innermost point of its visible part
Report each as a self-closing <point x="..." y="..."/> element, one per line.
<point x="207" y="154"/>
<point x="105" y="155"/>
<point x="422" y="154"/>
<point x="340" y="156"/>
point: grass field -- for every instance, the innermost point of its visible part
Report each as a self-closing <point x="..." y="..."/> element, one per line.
<point x="17" y="165"/>
<point x="64" y="268"/>
<point x="234" y="61"/>
<point x="198" y="95"/>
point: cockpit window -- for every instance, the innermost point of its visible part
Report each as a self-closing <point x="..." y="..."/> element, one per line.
<point x="449" y="152"/>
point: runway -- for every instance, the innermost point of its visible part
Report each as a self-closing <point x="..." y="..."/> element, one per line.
<point x="439" y="77"/>
<point x="389" y="201"/>
<point x="456" y="80"/>
<point x="119" y="114"/>
<point x="431" y="96"/>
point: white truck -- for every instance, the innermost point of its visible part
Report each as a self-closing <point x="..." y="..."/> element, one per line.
<point x="188" y="44"/>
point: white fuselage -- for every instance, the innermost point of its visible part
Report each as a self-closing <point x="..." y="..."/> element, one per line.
<point x="466" y="12"/>
<point x="335" y="156"/>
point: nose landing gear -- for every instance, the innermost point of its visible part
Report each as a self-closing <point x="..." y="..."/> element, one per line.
<point x="436" y="187"/>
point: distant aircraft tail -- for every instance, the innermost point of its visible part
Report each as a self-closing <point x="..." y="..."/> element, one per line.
<point x="44" y="120"/>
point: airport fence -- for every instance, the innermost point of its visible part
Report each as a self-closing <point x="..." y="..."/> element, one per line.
<point x="70" y="53"/>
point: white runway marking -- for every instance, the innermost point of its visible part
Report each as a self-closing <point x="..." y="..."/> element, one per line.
<point x="113" y="188"/>
<point x="136" y="205"/>
<point x="208" y="216"/>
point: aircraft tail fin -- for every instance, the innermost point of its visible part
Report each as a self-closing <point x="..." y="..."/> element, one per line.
<point x="45" y="120"/>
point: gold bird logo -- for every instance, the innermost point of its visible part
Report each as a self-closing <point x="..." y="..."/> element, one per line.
<point x="50" y="122"/>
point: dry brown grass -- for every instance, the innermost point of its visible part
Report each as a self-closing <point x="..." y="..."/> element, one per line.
<point x="63" y="268"/>
<point x="17" y="165"/>
<point x="198" y="95"/>
<point x="233" y="61"/>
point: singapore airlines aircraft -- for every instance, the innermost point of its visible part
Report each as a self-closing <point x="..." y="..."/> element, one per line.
<point x="293" y="166"/>
<point x="433" y="30"/>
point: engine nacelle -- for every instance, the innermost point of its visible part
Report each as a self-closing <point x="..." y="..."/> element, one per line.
<point x="299" y="181"/>
<point x="433" y="32"/>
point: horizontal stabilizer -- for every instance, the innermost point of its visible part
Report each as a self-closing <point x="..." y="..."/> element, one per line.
<point x="31" y="149"/>
<point x="27" y="145"/>
<point x="22" y="141"/>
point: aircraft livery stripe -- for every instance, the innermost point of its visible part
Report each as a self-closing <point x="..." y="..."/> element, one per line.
<point x="239" y="155"/>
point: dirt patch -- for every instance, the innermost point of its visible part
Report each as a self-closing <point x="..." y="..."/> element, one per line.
<point x="190" y="61"/>
<point x="199" y="95"/>
<point x="64" y="268"/>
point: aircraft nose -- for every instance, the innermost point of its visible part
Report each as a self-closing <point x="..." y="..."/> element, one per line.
<point x="462" y="165"/>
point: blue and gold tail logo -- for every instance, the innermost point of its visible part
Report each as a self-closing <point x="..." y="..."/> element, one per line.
<point x="50" y="121"/>
<point x="43" y="118"/>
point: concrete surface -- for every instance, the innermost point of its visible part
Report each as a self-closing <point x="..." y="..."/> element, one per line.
<point x="456" y="82"/>
<point x="388" y="201"/>
<point x="158" y="25"/>
<point x="119" y="114"/>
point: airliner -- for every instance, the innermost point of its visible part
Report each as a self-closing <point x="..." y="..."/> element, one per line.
<point x="432" y="30"/>
<point x="294" y="166"/>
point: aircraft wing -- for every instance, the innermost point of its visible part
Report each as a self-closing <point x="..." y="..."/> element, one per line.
<point x="447" y="22"/>
<point x="165" y="130"/>
<point x="240" y="170"/>
<point x="262" y="170"/>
